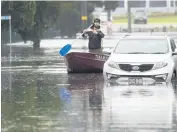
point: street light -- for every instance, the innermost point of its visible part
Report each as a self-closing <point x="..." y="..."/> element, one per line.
<point x="84" y="13"/>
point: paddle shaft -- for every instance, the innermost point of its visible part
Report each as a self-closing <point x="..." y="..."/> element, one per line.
<point x="79" y="36"/>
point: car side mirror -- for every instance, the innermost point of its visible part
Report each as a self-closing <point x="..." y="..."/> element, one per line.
<point x="107" y="51"/>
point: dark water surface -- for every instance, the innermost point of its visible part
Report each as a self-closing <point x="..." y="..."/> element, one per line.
<point x="42" y="97"/>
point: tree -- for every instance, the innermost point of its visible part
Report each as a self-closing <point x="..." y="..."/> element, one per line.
<point x="110" y="6"/>
<point x="31" y="18"/>
<point x="97" y="3"/>
<point x="45" y="17"/>
<point x="69" y="20"/>
<point x="90" y="8"/>
<point x="22" y="14"/>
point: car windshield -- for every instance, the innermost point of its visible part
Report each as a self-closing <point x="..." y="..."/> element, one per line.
<point x="140" y="14"/>
<point x="142" y="46"/>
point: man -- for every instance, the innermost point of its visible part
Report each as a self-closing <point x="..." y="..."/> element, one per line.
<point x="95" y="36"/>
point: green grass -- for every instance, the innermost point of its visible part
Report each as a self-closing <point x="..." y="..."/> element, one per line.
<point x="151" y="20"/>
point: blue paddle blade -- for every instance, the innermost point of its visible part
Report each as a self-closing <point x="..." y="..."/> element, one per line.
<point x="65" y="50"/>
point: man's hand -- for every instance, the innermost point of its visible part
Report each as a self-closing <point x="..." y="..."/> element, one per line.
<point x="87" y="30"/>
<point x="98" y="30"/>
<point x="95" y="32"/>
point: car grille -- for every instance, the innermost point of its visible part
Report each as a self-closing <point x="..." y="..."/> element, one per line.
<point x="141" y="68"/>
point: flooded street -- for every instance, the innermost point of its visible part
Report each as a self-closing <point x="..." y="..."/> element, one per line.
<point x="39" y="96"/>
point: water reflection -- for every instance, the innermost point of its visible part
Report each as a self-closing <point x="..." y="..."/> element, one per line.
<point x="87" y="99"/>
<point x="84" y="102"/>
<point x="31" y="101"/>
<point x="92" y="84"/>
<point x="138" y="108"/>
<point x="36" y="102"/>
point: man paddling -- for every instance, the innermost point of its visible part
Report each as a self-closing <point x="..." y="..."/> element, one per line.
<point x="95" y="36"/>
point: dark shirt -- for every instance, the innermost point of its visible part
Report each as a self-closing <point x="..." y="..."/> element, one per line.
<point x="94" y="39"/>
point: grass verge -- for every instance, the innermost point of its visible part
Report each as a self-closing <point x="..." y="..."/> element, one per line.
<point x="151" y="20"/>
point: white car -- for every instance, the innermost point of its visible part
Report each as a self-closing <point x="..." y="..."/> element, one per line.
<point x="136" y="59"/>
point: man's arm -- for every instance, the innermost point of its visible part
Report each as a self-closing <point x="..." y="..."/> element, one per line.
<point x="89" y="32"/>
<point x="100" y="34"/>
<point x="86" y="31"/>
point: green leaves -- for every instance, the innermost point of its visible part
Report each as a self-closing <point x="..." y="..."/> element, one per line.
<point x="110" y="5"/>
<point x="69" y="19"/>
<point x="97" y="3"/>
<point x="22" y="13"/>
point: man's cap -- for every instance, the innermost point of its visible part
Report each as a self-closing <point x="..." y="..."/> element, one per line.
<point x="97" y="20"/>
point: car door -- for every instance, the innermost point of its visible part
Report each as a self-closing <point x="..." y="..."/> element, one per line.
<point x="174" y="48"/>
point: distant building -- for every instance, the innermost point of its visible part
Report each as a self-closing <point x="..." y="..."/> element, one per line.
<point x="149" y="5"/>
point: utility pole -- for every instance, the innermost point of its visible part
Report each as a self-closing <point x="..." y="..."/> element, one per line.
<point x="129" y="16"/>
<point x="84" y="14"/>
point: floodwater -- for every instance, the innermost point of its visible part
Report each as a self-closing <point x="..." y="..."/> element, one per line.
<point x="39" y="96"/>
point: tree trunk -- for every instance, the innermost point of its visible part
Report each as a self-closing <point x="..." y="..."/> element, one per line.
<point x="35" y="36"/>
<point x="23" y="35"/>
<point x="36" y="42"/>
<point x="109" y="15"/>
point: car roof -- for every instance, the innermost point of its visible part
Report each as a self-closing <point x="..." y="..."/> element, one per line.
<point x="145" y="37"/>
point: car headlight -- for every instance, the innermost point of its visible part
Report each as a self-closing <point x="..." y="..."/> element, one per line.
<point x="112" y="64"/>
<point x="159" y="65"/>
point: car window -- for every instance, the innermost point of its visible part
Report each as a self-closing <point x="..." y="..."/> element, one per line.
<point x="146" y="46"/>
<point x="140" y="14"/>
<point x="173" y="45"/>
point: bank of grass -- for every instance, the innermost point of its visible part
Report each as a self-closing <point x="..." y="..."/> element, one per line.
<point x="172" y="19"/>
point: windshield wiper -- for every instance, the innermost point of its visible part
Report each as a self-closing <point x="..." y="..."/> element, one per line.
<point x="158" y="53"/>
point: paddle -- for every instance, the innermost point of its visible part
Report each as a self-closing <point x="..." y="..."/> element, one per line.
<point x="63" y="51"/>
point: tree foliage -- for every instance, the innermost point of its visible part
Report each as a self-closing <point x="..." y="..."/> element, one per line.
<point x="69" y="19"/>
<point x="110" y="6"/>
<point x="22" y="13"/>
<point x="31" y="18"/>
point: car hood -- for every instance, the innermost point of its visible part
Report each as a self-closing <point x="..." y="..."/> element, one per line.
<point x="136" y="58"/>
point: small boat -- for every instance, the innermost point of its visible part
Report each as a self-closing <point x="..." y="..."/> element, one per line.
<point x="85" y="62"/>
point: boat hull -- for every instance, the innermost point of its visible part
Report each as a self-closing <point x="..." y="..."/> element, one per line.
<point x="78" y="62"/>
